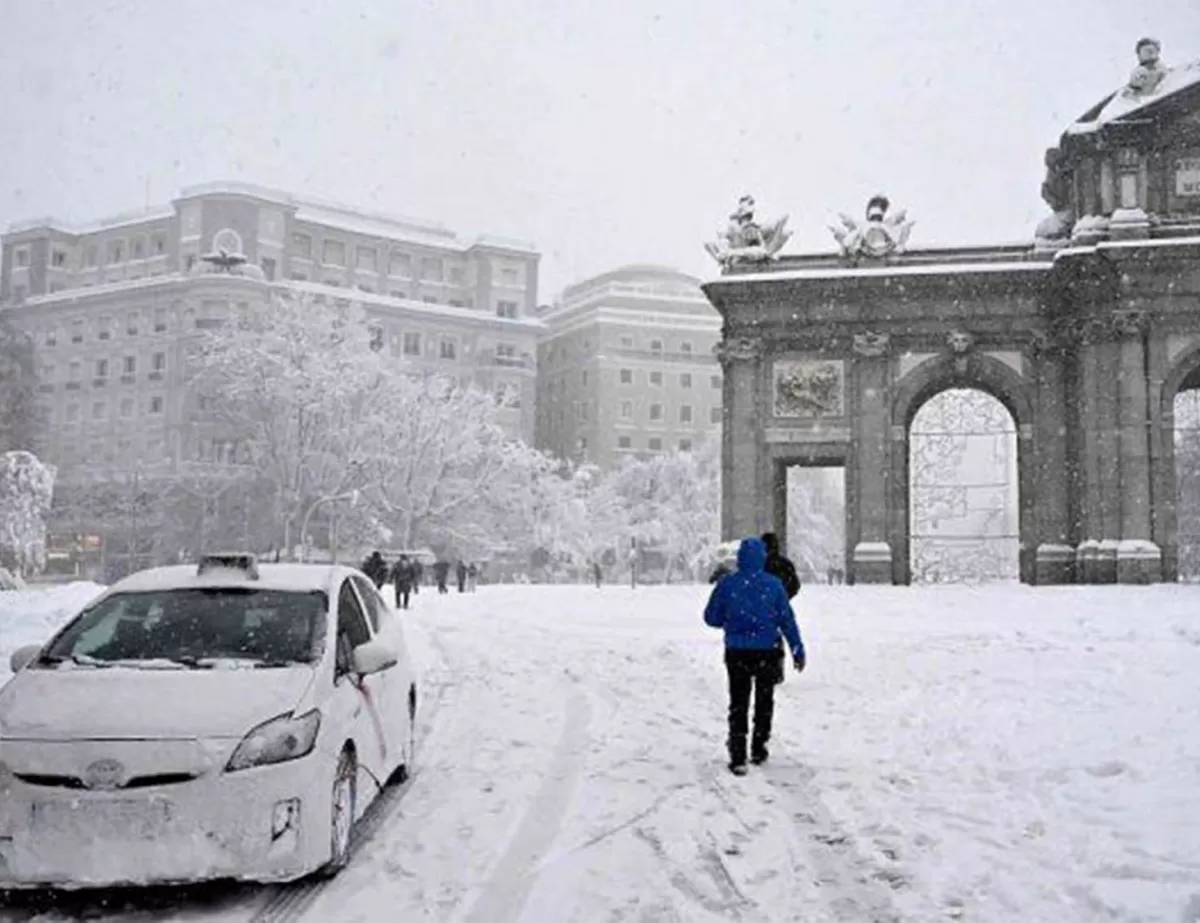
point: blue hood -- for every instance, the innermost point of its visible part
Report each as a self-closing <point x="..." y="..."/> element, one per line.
<point x="752" y="556"/>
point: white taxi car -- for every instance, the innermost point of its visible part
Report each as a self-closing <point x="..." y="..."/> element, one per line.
<point x="226" y="720"/>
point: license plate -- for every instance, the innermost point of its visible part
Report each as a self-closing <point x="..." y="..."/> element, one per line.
<point x="121" y="818"/>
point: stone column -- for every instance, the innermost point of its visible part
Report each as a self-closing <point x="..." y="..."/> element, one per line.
<point x="1054" y="559"/>
<point x="1139" y="560"/>
<point x="741" y="496"/>
<point x="871" y="559"/>
<point x="1096" y="555"/>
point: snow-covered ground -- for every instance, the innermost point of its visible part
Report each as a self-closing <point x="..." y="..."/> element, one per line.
<point x="986" y="755"/>
<point x="30" y="616"/>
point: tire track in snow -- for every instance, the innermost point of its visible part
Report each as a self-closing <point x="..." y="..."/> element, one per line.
<point x="503" y="896"/>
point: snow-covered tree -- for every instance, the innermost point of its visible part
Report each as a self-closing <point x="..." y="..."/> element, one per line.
<point x="298" y="384"/>
<point x="26" y="491"/>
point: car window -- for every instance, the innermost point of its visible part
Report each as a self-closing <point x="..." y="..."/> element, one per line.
<point x="377" y="610"/>
<point x="197" y="627"/>
<point x="352" y="626"/>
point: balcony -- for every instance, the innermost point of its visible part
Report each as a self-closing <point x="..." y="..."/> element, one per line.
<point x="128" y="379"/>
<point x="155" y="376"/>
<point x="72" y="386"/>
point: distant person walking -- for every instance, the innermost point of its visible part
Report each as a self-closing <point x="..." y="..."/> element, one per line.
<point x="376" y="568"/>
<point x="597" y="574"/>
<point x="402" y="577"/>
<point x="441" y="572"/>
<point x="461" y="572"/>
<point x="418" y="570"/>
<point x="752" y="608"/>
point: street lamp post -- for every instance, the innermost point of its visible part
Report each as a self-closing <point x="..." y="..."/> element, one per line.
<point x="351" y="495"/>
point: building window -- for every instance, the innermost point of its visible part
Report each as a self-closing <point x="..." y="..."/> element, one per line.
<point x="158" y="243"/>
<point x="400" y="265"/>
<point x="686" y="348"/>
<point x="581" y="411"/>
<point x="137" y="248"/>
<point x="429" y="299"/>
<point x="626" y="376"/>
<point x="131" y="324"/>
<point x="333" y="253"/>
<point x="77" y="330"/>
<point x="685" y="445"/>
<point x="656" y="347"/>
<point x="626" y="410"/>
<point x="51" y="336"/>
<point x="22" y="257"/>
<point x="90" y="255"/>
<point x="715" y="381"/>
<point x="104" y="328"/>
<point x="116" y="251"/>
<point x="685" y="380"/>
<point x="655" y="444"/>
<point x="714" y="415"/>
<point x="101" y="369"/>
<point x="156" y="405"/>
<point x="76" y="370"/>
<point x="72" y="413"/>
<point x="59" y="259"/>
<point x="583" y="378"/>
<point x="656" y="379"/>
<point x="126" y="408"/>
<point x="656" y="412"/>
<point x="158" y="363"/>
<point x="412" y="344"/>
<point x="456" y="275"/>
<point x="431" y="269"/>
<point x="507" y="309"/>
<point x="160" y="320"/>
<point x="129" y="367"/>
<point x="19" y="292"/>
<point x="268" y="268"/>
<point x="99" y="409"/>
<point x="685" y="413"/>
<point x="365" y="259"/>
<point x="376" y="341"/>
<point x="627" y="342"/>
<point x="624" y="442"/>
<point x="302" y="244"/>
<point x="448" y="349"/>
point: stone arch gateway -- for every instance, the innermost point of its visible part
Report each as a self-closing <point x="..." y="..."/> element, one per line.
<point x="1085" y="336"/>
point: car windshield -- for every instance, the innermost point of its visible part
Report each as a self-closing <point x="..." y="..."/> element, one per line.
<point x="198" y="628"/>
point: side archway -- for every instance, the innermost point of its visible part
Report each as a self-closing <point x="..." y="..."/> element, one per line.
<point x="1183" y="375"/>
<point x="972" y="371"/>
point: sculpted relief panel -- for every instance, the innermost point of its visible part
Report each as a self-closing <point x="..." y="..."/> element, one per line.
<point x="808" y="388"/>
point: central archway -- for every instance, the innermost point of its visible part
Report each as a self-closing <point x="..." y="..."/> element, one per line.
<point x="964" y="498"/>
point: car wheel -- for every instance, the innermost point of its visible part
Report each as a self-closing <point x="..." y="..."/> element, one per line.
<point x="341" y="814"/>
<point x="400" y="774"/>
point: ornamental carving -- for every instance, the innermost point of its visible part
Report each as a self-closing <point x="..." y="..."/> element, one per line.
<point x="744" y="240"/>
<point x="808" y="388"/>
<point x="880" y="235"/>
<point x="738" y="349"/>
<point x="871" y="345"/>
<point x="1129" y="323"/>
<point x="960" y="342"/>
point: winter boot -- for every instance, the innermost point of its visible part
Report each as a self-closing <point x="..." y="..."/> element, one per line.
<point x="758" y="754"/>
<point x="737" y="756"/>
<point x="738" y="769"/>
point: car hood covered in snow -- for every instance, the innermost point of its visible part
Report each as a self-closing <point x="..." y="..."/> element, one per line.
<point x="116" y="703"/>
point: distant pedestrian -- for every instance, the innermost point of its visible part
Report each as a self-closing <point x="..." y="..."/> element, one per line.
<point x="441" y="572"/>
<point x="376" y="568"/>
<point x="779" y="566"/>
<point x="461" y="572"/>
<point x="752" y="608"/>
<point x="402" y="577"/>
<point x="597" y="574"/>
<point x="472" y="577"/>
<point x="418" y="575"/>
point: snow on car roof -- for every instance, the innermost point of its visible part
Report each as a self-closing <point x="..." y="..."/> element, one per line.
<point x="293" y="577"/>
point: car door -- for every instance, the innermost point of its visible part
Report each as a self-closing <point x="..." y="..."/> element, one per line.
<point x="363" y="697"/>
<point x="397" y="681"/>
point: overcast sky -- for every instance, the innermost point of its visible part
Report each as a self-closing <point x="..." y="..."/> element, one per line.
<point x="605" y="132"/>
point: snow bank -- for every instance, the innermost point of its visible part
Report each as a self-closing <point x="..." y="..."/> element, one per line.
<point x="31" y="615"/>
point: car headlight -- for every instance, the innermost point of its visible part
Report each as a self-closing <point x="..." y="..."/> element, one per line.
<point x="286" y="737"/>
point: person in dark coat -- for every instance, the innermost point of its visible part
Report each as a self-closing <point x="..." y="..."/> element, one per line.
<point x="418" y="571"/>
<point x="376" y="568"/>
<point x="441" y="571"/>
<point x="462" y="577"/>
<point x="402" y="577"/>
<point x="752" y="608"/>
<point x="779" y="566"/>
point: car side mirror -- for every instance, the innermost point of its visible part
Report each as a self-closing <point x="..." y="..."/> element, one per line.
<point x="373" y="657"/>
<point x="23" y="657"/>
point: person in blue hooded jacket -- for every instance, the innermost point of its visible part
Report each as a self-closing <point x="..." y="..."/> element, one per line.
<point x="753" y="609"/>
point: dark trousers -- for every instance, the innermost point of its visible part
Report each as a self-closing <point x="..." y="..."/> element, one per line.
<point x="757" y="671"/>
<point x="402" y="596"/>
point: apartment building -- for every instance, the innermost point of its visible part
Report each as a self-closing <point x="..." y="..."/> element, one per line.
<point x="626" y="367"/>
<point x="111" y="306"/>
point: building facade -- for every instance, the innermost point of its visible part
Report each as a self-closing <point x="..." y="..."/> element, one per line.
<point x="626" y="367"/>
<point x="110" y="308"/>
